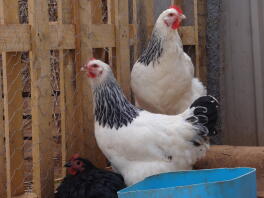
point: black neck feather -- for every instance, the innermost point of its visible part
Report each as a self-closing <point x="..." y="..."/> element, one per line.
<point x="112" y="109"/>
<point x="153" y="50"/>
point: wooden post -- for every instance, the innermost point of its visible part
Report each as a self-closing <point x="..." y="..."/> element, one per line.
<point x="111" y="20"/>
<point x="12" y="84"/>
<point x="71" y="129"/>
<point x="143" y="20"/>
<point x="202" y="24"/>
<point x="42" y="142"/>
<point x="122" y="46"/>
<point x="177" y="2"/>
<point x="2" y="142"/>
<point x="97" y="18"/>
<point x="196" y="36"/>
<point x="83" y="22"/>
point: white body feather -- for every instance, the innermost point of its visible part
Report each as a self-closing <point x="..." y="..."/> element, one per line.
<point x="167" y="85"/>
<point x="151" y="144"/>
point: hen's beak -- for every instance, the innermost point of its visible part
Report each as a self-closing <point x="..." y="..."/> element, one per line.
<point x="68" y="164"/>
<point x="182" y="16"/>
<point x="83" y="68"/>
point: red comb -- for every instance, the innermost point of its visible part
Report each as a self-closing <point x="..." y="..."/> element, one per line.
<point x="179" y="10"/>
<point x="75" y="156"/>
<point x="91" y="59"/>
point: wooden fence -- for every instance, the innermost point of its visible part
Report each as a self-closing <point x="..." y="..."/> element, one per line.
<point x="83" y="29"/>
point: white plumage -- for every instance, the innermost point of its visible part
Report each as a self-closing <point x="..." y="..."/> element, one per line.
<point x="139" y="143"/>
<point x="163" y="77"/>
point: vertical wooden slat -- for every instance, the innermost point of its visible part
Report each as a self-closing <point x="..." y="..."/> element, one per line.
<point x="122" y="45"/>
<point x="143" y="20"/>
<point x="13" y="107"/>
<point x="111" y="20"/>
<point x="196" y="36"/>
<point x="97" y="18"/>
<point x="83" y="21"/>
<point x="177" y="2"/>
<point x="2" y="142"/>
<point x="257" y="45"/>
<point x="202" y="24"/>
<point x="70" y="128"/>
<point x="43" y="172"/>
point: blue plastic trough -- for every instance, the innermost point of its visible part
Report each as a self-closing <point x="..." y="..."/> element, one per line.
<point x="211" y="183"/>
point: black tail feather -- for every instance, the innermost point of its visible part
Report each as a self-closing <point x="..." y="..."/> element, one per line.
<point x="205" y="115"/>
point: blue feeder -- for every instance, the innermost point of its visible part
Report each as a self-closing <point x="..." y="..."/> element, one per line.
<point x="211" y="183"/>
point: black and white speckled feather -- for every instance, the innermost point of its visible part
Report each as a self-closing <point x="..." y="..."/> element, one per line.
<point x="153" y="50"/>
<point x="112" y="109"/>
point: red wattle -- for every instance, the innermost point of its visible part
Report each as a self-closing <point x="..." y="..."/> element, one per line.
<point x="91" y="75"/>
<point x="176" y="25"/>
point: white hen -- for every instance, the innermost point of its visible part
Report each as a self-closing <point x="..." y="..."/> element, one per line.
<point x="139" y="143"/>
<point x="163" y="77"/>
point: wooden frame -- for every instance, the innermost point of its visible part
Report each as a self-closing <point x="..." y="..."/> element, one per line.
<point x="77" y="32"/>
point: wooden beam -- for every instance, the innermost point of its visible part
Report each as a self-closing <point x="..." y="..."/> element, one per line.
<point x="13" y="107"/>
<point x="62" y="36"/>
<point x="122" y="46"/>
<point x="14" y="37"/>
<point x="2" y="141"/>
<point x="40" y="70"/>
<point x="70" y="127"/>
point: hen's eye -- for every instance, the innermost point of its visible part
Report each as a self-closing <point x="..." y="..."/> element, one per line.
<point x="78" y="162"/>
<point x="171" y="14"/>
<point x="95" y="66"/>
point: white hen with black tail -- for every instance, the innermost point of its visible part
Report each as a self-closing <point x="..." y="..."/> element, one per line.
<point x="139" y="143"/>
<point x="162" y="79"/>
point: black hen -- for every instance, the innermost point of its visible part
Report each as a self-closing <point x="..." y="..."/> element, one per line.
<point x="86" y="181"/>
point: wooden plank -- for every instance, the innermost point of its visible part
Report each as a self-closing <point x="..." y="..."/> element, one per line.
<point x="257" y="26"/>
<point x="143" y="19"/>
<point x="2" y="141"/>
<point x="111" y="20"/>
<point x="98" y="37"/>
<point x="202" y="27"/>
<point x="42" y="142"/>
<point x="83" y="52"/>
<point x="27" y="195"/>
<point x="14" y="37"/>
<point x="62" y="36"/>
<point x="177" y="2"/>
<point x="122" y="46"/>
<point x="196" y="37"/>
<point x="70" y="130"/>
<point x="97" y="18"/>
<point x="239" y="110"/>
<point x="12" y="85"/>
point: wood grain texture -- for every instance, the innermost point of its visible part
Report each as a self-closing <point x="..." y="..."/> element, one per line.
<point x="40" y="71"/>
<point x="257" y="26"/>
<point x="12" y="84"/>
<point x="202" y="27"/>
<point x="84" y="52"/>
<point x="143" y="20"/>
<point x="122" y="46"/>
<point x="235" y="156"/>
<point x="2" y="142"/>
<point x="239" y="105"/>
<point x="70" y="131"/>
